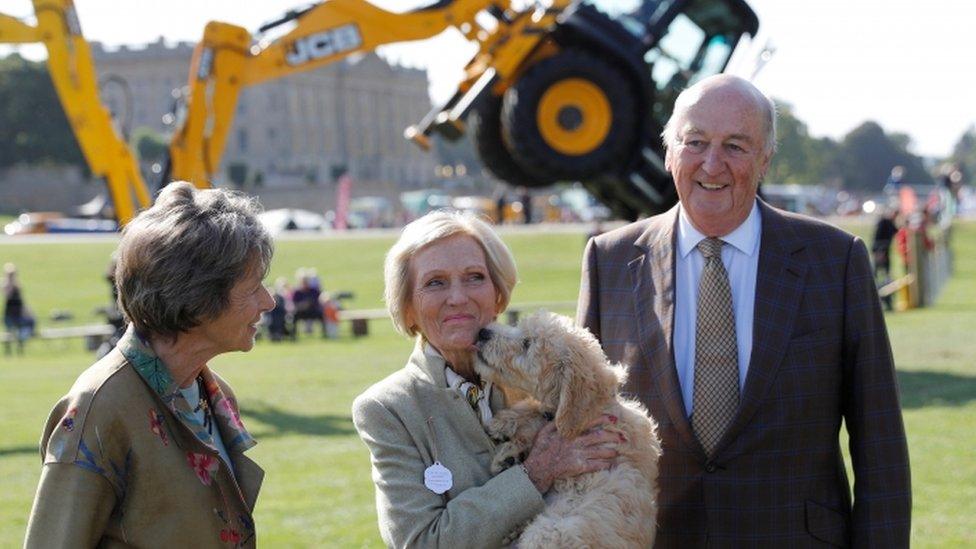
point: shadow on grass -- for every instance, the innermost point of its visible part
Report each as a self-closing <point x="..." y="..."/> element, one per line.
<point x="922" y="389"/>
<point x="942" y="307"/>
<point x="277" y="422"/>
<point x="16" y="450"/>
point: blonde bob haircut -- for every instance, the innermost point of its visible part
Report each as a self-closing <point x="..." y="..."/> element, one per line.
<point x="432" y="228"/>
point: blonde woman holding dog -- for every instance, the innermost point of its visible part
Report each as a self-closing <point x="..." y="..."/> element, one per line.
<point x="448" y="276"/>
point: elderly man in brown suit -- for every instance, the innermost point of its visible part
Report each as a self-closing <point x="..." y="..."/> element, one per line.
<point x="751" y="334"/>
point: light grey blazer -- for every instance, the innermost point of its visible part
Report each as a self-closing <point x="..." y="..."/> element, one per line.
<point x="392" y="419"/>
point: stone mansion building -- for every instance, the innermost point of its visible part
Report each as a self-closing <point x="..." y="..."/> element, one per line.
<point x="291" y="132"/>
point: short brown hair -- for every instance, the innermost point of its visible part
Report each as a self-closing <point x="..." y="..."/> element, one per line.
<point x="179" y="259"/>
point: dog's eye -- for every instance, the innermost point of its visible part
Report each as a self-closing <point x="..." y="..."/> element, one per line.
<point x="526" y="343"/>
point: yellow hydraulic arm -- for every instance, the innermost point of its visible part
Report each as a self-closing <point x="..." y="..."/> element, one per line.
<point x="72" y="70"/>
<point x="228" y="59"/>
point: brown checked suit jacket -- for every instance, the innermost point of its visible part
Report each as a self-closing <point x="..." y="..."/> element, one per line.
<point x="820" y="357"/>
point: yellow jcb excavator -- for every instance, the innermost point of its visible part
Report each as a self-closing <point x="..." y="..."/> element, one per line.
<point x="574" y="90"/>
<point x="560" y="90"/>
<point x="73" y="72"/>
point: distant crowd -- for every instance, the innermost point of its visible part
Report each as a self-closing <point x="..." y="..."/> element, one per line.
<point x="301" y="307"/>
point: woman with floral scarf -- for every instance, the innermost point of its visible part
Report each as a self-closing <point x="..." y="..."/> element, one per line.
<point x="147" y="448"/>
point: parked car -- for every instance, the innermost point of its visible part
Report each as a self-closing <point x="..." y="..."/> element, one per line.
<point x="371" y="212"/>
<point x="56" y="222"/>
<point x="481" y="206"/>
<point x="418" y="203"/>
<point x="582" y="206"/>
<point x="290" y="219"/>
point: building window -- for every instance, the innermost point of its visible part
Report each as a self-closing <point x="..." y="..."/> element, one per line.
<point x="242" y="140"/>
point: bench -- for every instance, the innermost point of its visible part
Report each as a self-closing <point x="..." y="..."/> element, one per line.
<point x="93" y="334"/>
<point x="360" y="318"/>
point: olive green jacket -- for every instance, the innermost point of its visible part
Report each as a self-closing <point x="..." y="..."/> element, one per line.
<point x="125" y="464"/>
<point x="479" y="510"/>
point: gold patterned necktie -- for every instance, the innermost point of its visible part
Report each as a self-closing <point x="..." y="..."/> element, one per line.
<point x="716" y="390"/>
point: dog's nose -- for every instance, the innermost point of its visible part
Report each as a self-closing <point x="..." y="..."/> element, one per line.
<point x="484" y="335"/>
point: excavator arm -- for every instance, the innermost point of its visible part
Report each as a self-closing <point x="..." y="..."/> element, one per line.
<point x="72" y="71"/>
<point x="558" y="91"/>
<point x="228" y="59"/>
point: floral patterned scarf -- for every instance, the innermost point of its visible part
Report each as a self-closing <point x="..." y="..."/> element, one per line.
<point x="157" y="375"/>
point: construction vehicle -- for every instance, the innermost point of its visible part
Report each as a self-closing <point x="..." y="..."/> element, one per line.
<point x="564" y="90"/>
<point x="72" y="71"/>
<point x="590" y="101"/>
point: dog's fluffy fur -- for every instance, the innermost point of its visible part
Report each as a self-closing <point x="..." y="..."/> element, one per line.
<point x="570" y="380"/>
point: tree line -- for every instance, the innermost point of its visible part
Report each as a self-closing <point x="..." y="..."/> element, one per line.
<point x="34" y="130"/>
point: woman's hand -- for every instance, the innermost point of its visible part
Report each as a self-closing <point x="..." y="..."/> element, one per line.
<point x="553" y="457"/>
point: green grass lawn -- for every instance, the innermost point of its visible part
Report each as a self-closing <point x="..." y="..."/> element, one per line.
<point x="296" y="396"/>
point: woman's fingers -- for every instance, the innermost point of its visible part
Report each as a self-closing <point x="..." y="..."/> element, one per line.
<point x="603" y="436"/>
<point x="601" y="452"/>
<point x="594" y="465"/>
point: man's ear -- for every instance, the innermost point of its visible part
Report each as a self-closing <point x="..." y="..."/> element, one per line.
<point x="764" y="166"/>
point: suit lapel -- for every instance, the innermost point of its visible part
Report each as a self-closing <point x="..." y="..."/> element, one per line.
<point x="429" y="366"/>
<point x="652" y="275"/>
<point x="779" y="290"/>
<point x="250" y="476"/>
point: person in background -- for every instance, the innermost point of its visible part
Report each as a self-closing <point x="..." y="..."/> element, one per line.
<point x="448" y="276"/>
<point x="305" y="300"/>
<point x="14" y="311"/>
<point x="147" y="447"/>
<point x="113" y="315"/>
<point x="500" y="203"/>
<point x="884" y="234"/>
<point x="330" y="314"/>
<point x="895" y="181"/>
<point x="751" y="335"/>
<point x="525" y="197"/>
<point x="277" y="318"/>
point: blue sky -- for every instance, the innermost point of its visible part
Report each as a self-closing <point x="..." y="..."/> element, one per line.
<point x="908" y="65"/>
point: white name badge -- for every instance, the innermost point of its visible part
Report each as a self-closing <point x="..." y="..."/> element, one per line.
<point x="438" y="479"/>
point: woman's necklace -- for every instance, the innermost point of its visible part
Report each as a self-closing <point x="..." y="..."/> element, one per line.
<point x="204" y="404"/>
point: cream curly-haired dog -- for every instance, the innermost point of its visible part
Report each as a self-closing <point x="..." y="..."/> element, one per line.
<point x="570" y="381"/>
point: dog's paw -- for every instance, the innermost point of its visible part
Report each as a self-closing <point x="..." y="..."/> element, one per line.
<point x="502" y="428"/>
<point x="507" y="455"/>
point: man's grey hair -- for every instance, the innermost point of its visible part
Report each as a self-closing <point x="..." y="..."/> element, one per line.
<point x="179" y="259"/>
<point x="428" y="230"/>
<point x="690" y="95"/>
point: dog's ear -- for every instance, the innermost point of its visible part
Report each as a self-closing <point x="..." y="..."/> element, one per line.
<point x="550" y="386"/>
<point x="574" y="409"/>
<point x="585" y="389"/>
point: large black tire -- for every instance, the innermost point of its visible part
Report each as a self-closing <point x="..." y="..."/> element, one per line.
<point x="586" y="134"/>
<point x="484" y="126"/>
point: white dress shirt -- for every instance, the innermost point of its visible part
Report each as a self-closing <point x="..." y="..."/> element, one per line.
<point x="740" y="256"/>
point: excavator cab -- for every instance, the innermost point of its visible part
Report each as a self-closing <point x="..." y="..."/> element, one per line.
<point x="694" y="44"/>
